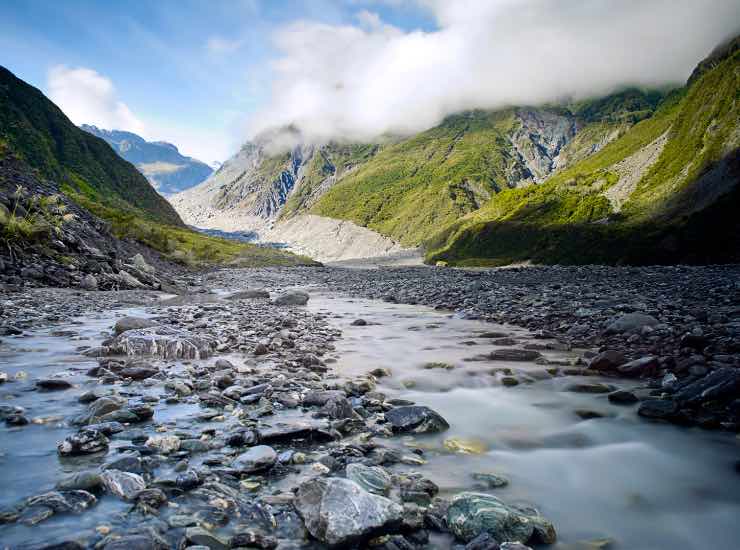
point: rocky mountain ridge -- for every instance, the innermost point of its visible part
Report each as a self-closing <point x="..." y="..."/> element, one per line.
<point x="161" y="162"/>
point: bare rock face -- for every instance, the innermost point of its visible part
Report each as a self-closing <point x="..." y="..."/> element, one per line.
<point x="339" y="512"/>
<point x="162" y="341"/>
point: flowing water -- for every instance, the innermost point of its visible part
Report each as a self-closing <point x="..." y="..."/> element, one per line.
<point x="642" y="485"/>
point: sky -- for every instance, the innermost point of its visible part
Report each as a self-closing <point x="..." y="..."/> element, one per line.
<point x="207" y="75"/>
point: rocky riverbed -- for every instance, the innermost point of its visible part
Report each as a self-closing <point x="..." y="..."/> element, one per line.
<point x="323" y="407"/>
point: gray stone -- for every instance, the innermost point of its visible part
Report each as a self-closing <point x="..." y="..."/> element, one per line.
<point x="415" y="419"/>
<point x="471" y="514"/>
<point x="89" y="282"/>
<point x="374" y="479"/>
<point x="163" y="341"/>
<point x="607" y="360"/>
<point x="123" y="484"/>
<point x="292" y="298"/>
<point x="199" y="536"/>
<point x="339" y="512"/>
<point x="132" y="323"/>
<point x="53" y="384"/>
<point x="249" y="294"/>
<point x="85" y="441"/>
<point x="255" y="459"/>
<point x="631" y="322"/>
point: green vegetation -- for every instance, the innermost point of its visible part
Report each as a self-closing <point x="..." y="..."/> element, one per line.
<point x="37" y="132"/>
<point x="335" y="160"/>
<point x="187" y="246"/>
<point x="32" y="218"/>
<point x="416" y="186"/>
<point x="674" y="214"/>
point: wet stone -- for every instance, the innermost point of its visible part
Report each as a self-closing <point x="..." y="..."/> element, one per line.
<point x="373" y="479"/>
<point x="415" y="419"/>
<point x="255" y="459"/>
<point x="339" y="512"/>
<point x="123" y="484"/>
<point x="86" y="441"/>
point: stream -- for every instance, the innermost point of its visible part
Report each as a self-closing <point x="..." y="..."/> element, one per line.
<point x="603" y="476"/>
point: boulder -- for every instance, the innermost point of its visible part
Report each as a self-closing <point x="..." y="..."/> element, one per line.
<point x="415" y="419"/>
<point x="125" y="485"/>
<point x="162" y="341"/>
<point x="164" y="444"/>
<point x="292" y="298"/>
<point x="132" y="323"/>
<point x="53" y="384"/>
<point x="85" y="441"/>
<point x="89" y="282"/>
<point x="140" y="263"/>
<point x="662" y="409"/>
<point x="639" y="368"/>
<point x="373" y="479"/>
<point x="607" y="360"/>
<point x="631" y="322"/>
<point x="472" y="514"/>
<point x="339" y="512"/>
<point x="255" y="459"/>
<point x="249" y="294"/>
<point x="722" y="384"/>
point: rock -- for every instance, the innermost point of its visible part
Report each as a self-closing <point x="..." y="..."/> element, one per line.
<point x="105" y="405"/>
<point x="136" y="542"/>
<point x="86" y="481"/>
<point x="138" y="370"/>
<point x="622" y="397"/>
<point x="484" y="541"/>
<point x="127" y="280"/>
<point x="249" y="294"/>
<point x="163" y="341"/>
<point x="89" y="282"/>
<point x="514" y="354"/>
<point x="320" y="398"/>
<point x="587" y="387"/>
<point x="165" y="444"/>
<point x="339" y="512"/>
<point x="123" y="484"/>
<point x="639" y="368"/>
<point x="631" y="322"/>
<point x="201" y="537"/>
<point x="255" y="459"/>
<point x="53" y="384"/>
<point x="722" y="384"/>
<point x="694" y="341"/>
<point x="125" y="462"/>
<point x="141" y="264"/>
<point x="471" y="514"/>
<point x="338" y="408"/>
<point x="490" y="481"/>
<point x="607" y="360"/>
<point x="76" y="501"/>
<point x="85" y="441"/>
<point x="132" y="323"/>
<point x="252" y="539"/>
<point x="292" y="298"/>
<point x="373" y="479"/>
<point x="359" y="323"/>
<point x="261" y="349"/>
<point x="663" y="409"/>
<point x="415" y="419"/>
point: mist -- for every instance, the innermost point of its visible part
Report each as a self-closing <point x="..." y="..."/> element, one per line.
<point x="357" y="82"/>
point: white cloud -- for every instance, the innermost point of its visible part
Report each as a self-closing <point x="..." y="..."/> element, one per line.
<point x="88" y="97"/>
<point x="359" y="81"/>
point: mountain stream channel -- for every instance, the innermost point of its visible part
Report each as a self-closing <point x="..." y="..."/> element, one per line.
<point x="174" y="436"/>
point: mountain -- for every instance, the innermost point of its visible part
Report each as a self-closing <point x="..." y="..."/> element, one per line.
<point x="71" y="207"/>
<point x="162" y="164"/>
<point x="36" y="131"/>
<point x="638" y="176"/>
<point x="403" y="188"/>
<point x="667" y="191"/>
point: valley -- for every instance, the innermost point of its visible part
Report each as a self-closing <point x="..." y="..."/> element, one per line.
<point x="492" y="308"/>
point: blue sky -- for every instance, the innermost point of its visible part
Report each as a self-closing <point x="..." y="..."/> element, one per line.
<point x="190" y="71"/>
<point x="208" y="74"/>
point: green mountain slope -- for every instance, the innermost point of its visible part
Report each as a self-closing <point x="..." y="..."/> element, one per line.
<point x="665" y="191"/>
<point x="37" y="131"/>
<point x="417" y="186"/>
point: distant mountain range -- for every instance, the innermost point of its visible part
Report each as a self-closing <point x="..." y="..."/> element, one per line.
<point x="638" y="176"/>
<point x="166" y="169"/>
